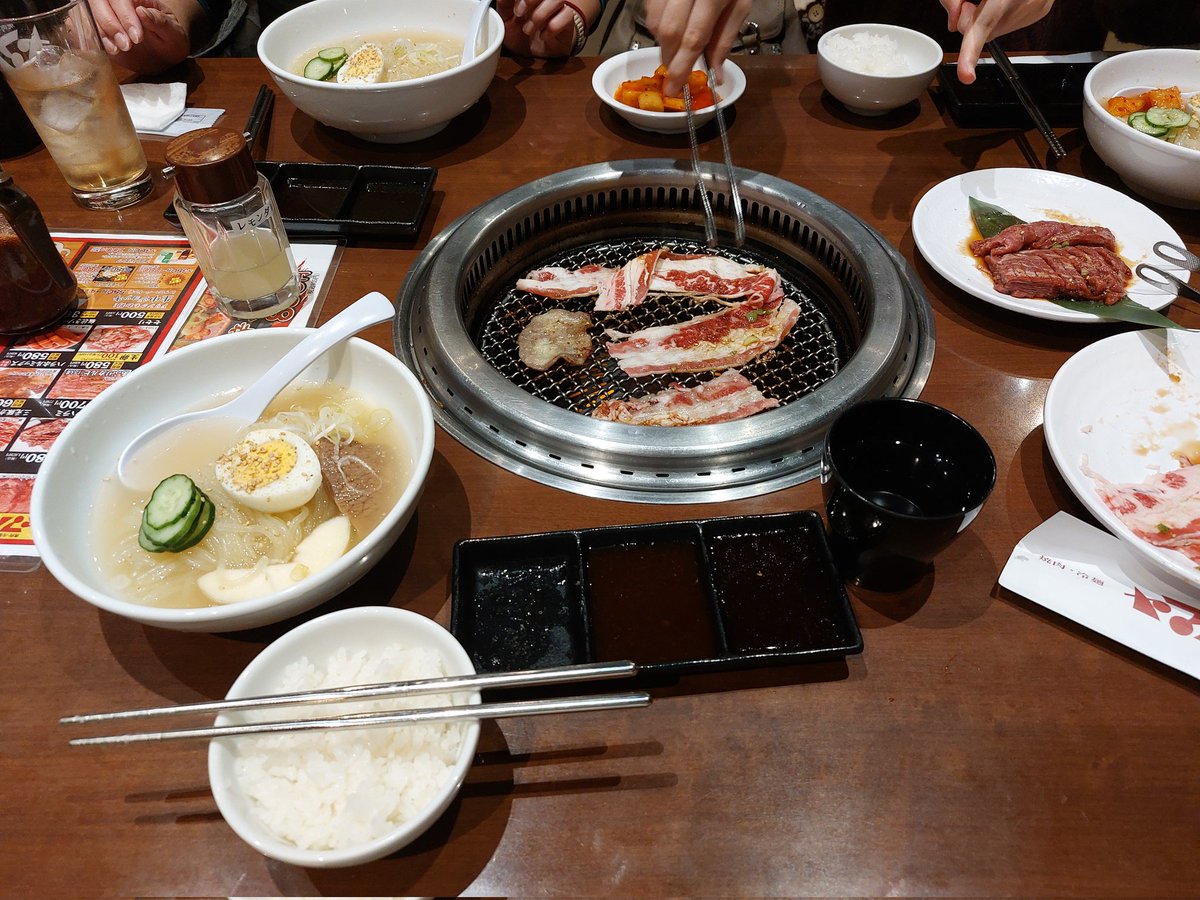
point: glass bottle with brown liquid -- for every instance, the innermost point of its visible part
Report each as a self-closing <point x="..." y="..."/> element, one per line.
<point x="36" y="286"/>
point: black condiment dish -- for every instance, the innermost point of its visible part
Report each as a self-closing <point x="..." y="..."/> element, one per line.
<point x="679" y="596"/>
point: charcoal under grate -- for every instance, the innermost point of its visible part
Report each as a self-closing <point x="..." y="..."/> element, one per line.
<point x="865" y="331"/>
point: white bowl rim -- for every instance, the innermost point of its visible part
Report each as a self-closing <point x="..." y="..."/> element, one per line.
<point x="889" y="29"/>
<point x="1107" y="119"/>
<point x="422" y="459"/>
<point x="383" y="845"/>
<point x="729" y="67"/>
<point x="495" y="27"/>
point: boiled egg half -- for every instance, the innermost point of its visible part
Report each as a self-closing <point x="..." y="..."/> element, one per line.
<point x="271" y="470"/>
<point x="364" y="66"/>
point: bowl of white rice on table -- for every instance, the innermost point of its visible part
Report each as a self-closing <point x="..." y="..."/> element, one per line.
<point x="346" y="796"/>
<point x="873" y="68"/>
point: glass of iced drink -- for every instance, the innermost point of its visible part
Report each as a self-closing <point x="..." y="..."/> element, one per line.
<point x="54" y="63"/>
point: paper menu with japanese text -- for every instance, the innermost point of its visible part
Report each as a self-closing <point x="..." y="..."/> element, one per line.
<point x="145" y="297"/>
<point x="1089" y="576"/>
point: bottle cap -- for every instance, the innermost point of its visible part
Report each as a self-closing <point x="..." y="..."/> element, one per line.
<point x="212" y="165"/>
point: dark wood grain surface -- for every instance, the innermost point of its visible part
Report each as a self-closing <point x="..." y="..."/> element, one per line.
<point x="980" y="745"/>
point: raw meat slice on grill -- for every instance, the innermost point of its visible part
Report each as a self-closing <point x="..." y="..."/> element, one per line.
<point x="1044" y="235"/>
<point x="558" y="283"/>
<point x="725" y="398"/>
<point x="659" y="271"/>
<point x="1164" y="510"/>
<point x="630" y="285"/>
<point x="1079" y="273"/>
<point x="720" y="340"/>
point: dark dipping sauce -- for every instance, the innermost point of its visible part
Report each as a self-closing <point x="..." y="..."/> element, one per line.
<point x="648" y="603"/>
<point x="30" y="298"/>
<point x="525" y="617"/>
<point x="775" y="591"/>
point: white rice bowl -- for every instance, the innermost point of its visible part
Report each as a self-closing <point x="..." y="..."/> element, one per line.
<point x="343" y="797"/>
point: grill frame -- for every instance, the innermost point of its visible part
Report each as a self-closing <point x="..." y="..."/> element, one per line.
<point x="475" y="258"/>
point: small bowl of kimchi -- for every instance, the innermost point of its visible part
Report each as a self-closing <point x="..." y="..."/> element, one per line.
<point x="1125" y="98"/>
<point x="630" y="86"/>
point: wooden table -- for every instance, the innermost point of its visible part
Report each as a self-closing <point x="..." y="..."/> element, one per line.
<point x="979" y="745"/>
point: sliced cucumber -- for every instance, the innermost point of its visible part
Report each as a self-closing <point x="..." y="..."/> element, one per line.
<point x="169" y="535"/>
<point x="184" y="511"/>
<point x="204" y="521"/>
<point x="318" y="69"/>
<point x="332" y="54"/>
<point x="170" y="501"/>
<point x="1165" y="117"/>
<point x="1139" y="122"/>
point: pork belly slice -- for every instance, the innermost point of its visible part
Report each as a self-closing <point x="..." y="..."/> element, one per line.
<point x="1075" y="273"/>
<point x="1164" y="510"/>
<point x="558" y="283"/>
<point x="720" y="340"/>
<point x="659" y="271"/>
<point x="725" y="398"/>
<point x="1043" y="236"/>
<point x="630" y="285"/>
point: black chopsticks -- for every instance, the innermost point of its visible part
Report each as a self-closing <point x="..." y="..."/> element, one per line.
<point x="1027" y="101"/>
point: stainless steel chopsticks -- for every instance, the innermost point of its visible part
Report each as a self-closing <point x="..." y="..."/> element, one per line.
<point x="1027" y="101"/>
<point x="448" y="684"/>
<point x="599" y="703"/>
<point x="735" y="200"/>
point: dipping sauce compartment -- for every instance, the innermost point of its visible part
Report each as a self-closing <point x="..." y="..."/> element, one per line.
<point x="678" y="596"/>
<point x="334" y="199"/>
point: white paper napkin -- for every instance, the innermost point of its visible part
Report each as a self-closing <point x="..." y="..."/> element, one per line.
<point x="1088" y="575"/>
<point x="155" y="106"/>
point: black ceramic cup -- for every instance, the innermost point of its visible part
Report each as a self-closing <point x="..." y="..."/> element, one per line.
<point x="901" y="479"/>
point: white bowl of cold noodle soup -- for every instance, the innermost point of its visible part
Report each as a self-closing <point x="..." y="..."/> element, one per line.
<point x="642" y="63"/>
<point x="344" y="797"/>
<point x="410" y="36"/>
<point x="88" y="527"/>
<point x="1150" y="164"/>
<point x="873" y="69"/>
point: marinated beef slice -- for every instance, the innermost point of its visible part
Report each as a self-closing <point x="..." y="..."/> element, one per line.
<point x="1055" y="259"/>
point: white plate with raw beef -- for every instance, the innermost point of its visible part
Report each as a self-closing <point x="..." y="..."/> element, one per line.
<point x="1120" y="423"/>
<point x="943" y="231"/>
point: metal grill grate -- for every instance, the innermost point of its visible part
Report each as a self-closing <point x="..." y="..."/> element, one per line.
<point x="808" y="357"/>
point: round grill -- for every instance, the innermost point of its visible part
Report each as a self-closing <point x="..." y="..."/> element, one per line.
<point x="865" y="331"/>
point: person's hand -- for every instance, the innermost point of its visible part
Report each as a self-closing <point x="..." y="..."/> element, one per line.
<point x="686" y="28"/>
<point x="144" y="36"/>
<point x="980" y="22"/>
<point x="544" y="28"/>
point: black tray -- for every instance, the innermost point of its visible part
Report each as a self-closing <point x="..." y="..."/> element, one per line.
<point x="1057" y="88"/>
<point x="330" y="199"/>
<point x="706" y="594"/>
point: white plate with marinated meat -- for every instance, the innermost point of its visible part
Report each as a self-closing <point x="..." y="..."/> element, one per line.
<point x="1121" y="427"/>
<point x="943" y="231"/>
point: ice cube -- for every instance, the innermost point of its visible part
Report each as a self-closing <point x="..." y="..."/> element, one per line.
<point x="75" y="73"/>
<point x="64" y="110"/>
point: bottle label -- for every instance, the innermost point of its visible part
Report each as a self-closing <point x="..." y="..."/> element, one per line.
<point x="260" y="218"/>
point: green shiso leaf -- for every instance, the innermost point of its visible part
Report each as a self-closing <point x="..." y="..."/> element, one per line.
<point x="991" y="220"/>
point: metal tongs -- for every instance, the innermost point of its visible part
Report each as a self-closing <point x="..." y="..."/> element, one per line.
<point x="1176" y="256"/>
<point x="710" y="225"/>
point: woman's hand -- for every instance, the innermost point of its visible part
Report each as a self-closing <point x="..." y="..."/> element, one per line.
<point x="686" y="28"/>
<point x="544" y="28"/>
<point x="146" y="36"/>
<point x="980" y="22"/>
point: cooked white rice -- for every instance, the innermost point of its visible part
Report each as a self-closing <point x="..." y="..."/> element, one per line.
<point x="334" y="789"/>
<point x="866" y="52"/>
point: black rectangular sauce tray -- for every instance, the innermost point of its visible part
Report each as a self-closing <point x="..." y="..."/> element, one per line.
<point x="989" y="102"/>
<point x="334" y="199"/>
<point x="678" y="596"/>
